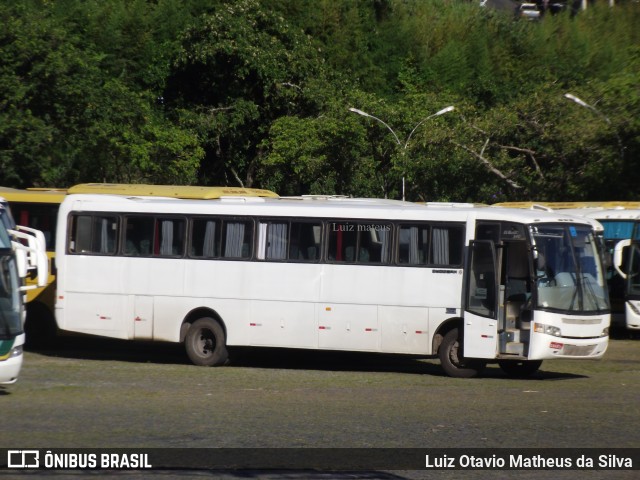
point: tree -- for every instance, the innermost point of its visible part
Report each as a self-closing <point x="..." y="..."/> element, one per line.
<point x="238" y="70"/>
<point x="64" y="118"/>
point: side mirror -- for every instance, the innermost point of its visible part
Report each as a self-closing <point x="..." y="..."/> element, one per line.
<point x="21" y="262"/>
<point x="618" y="255"/>
<point x="34" y="253"/>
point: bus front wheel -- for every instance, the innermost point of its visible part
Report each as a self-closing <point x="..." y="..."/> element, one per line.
<point x="205" y="343"/>
<point x="520" y="368"/>
<point x="452" y="360"/>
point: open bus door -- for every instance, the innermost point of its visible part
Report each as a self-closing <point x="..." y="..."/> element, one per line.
<point x="481" y="302"/>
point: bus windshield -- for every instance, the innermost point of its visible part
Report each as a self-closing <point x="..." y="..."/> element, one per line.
<point x="10" y="319"/>
<point x="568" y="269"/>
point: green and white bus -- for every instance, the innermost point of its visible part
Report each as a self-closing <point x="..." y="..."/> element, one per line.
<point x="21" y="251"/>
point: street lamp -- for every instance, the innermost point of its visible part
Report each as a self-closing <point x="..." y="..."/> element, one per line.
<point x="584" y="104"/>
<point x="403" y="147"/>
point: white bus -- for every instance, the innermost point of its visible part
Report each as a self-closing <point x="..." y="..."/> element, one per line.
<point x="622" y="237"/>
<point x="467" y="285"/>
<point x="21" y="250"/>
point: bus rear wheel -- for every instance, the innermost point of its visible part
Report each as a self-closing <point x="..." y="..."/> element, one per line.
<point x="520" y="368"/>
<point x="205" y="343"/>
<point x="452" y="360"/>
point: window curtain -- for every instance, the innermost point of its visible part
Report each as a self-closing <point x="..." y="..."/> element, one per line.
<point x="209" y="241"/>
<point x="234" y="240"/>
<point x="383" y="236"/>
<point x="414" y="247"/>
<point x="441" y="246"/>
<point x="166" y="247"/>
<point x="277" y="241"/>
<point x="104" y="236"/>
<point x="262" y="241"/>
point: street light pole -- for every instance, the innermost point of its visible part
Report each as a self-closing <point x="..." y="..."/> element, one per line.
<point x="584" y="104"/>
<point x="395" y="136"/>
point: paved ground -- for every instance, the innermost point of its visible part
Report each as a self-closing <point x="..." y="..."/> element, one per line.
<point x="105" y="394"/>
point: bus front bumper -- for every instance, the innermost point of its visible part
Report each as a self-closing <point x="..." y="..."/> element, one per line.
<point x="11" y="362"/>
<point x="546" y="347"/>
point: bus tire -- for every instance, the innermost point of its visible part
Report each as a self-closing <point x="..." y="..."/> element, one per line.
<point x="452" y="361"/>
<point x="520" y="368"/>
<point x="206" y="344"/>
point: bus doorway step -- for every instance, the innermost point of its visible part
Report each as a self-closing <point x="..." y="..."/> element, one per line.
<point x="510" y="343"/>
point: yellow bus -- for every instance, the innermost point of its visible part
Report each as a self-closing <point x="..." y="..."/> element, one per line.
<point x="173" y="191"/>
<point x="38" y="208"/>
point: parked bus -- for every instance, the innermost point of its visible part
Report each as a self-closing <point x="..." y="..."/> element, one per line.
<point x="21" y="250"/>
<point x="622" y="234"/>
<point x="466" y="285"/>
<point x="38" y="208"/>
<point x="627" y="264"/>
<point x="620" y="222"/>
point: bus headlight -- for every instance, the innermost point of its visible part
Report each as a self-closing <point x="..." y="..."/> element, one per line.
<point x="16" y="351"/>
<point x="633" y="308"/>
<point x="605" y="332"/>
<point x="548" y="329"/>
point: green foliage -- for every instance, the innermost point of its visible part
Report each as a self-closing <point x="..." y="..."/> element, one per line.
<point x="257" y="92"/>
<point x="64" y="116"/>
<point x="238" y="70"/>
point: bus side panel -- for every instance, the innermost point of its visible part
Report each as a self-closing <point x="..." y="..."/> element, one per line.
<point x="283" y="324"/>
<point x="349" y="327"/>
<point x="404" y="329"/>
<point x="112" y="296"/>
<point x="170" y="312"/>
<point x="418" y="290"/>
<point x="95" y="313"/>
<point x="280" y="300"/>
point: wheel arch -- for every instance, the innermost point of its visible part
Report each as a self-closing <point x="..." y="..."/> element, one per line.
<point x="197" y="313"/>
<point x="444" y="328"/>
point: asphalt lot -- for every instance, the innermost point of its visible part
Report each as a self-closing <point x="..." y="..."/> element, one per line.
<point x="107" y="394"/>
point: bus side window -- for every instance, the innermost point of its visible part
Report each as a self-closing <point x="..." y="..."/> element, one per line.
<point x="277" y="240"/>
<point x="81" y="234"/>
<point x="93" y="234"/>
<point x="374" y="243"/>
<point x="105" y="234"/>
<point x="413" y="244"/>
<point x="205" y="238"/>
<point x="305" y="241"/>
<point x="139" y="236"/>
<point x="342" y="242"/>
<point x="447" y="245"/>
<point x="169" y="238"/>
<point x="237" y="239"/>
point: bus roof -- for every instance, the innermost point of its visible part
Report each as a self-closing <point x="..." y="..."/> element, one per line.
<point x="609" y="204"/>
<point x="33" y="195"/>
<point x="615" y="214"/>
<point x="357" y="208"/>
<point x="173" y="191"/>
